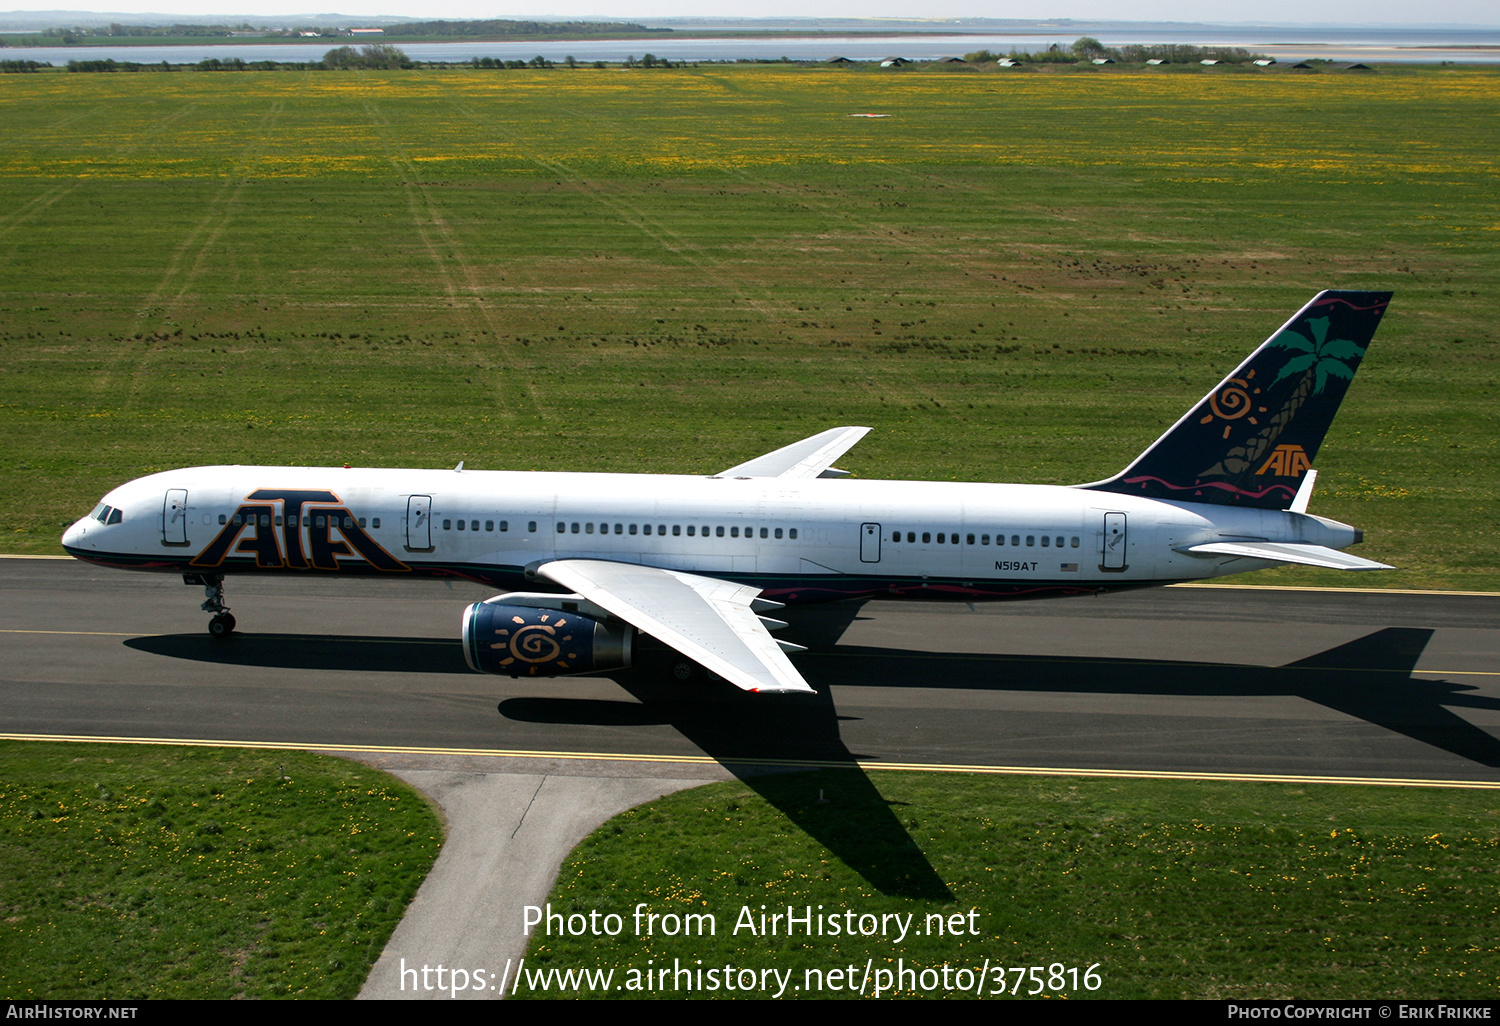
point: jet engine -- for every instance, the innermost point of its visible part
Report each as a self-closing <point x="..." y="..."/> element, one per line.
<point x="511" y="636"/>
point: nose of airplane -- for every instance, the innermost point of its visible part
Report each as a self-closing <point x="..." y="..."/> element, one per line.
<point x="73" y="537"/>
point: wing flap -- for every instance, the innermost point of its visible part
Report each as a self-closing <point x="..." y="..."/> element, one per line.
<point x="808" y="458"/>
<point x="1289" y="552"/>
<point x="706" y="619"/>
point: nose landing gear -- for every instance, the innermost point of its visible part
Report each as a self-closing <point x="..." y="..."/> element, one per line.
<point x="222" y="623"/>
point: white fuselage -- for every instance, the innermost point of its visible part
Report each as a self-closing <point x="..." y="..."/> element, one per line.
<point x="798" y="540"/>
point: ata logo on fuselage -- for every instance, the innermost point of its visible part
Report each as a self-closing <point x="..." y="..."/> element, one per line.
<point x="1286" y="461"/>
<point x="276" y="519"/>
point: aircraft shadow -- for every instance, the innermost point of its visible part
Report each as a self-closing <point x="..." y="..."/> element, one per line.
<point x="1370" y="678"/>
<point x="769" y="742"/>
<point x="762" y="740"/>
<point x="311" y="652"/>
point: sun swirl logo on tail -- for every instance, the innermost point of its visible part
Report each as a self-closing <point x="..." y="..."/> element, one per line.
<point x="1232" y="401"/>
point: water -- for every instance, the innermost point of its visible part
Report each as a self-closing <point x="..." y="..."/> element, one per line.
<point x="1382" y="45"/>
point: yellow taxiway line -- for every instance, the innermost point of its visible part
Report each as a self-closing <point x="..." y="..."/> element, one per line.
<point x="704" y="760"/>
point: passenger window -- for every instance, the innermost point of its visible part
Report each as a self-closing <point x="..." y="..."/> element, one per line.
<point x="792" y="533"/>
<point x="1031" y="539"/>
<point x="677" y="530"/>
<point x="238" y="520"/>
<point x="926" y="537"/>
<point x="984" y="539"/>
<point x="222" y="518"/>
<point x="692" y="531"/>
<point x="764" y="533"/>
<point x="734" y="532"/>
<point x="896" y="537"/>
<point x="620" y="529"/>
<point x="489" y="525"/>
<point x="460" y="525"/>
<point x="632" y="529"/>
<point x="561" y="527"/>
<point x="575" y="527"/>
<point x="645" y="528"/>
<point x="1015" y="539"/>
<point x="941" y="538"/>
<point x="373" y="523"/>
<point x="778" y="532"/>
<point x="911" y="536"/>
<point x="1059" y="541"/>
<point x="1044" y="541"/>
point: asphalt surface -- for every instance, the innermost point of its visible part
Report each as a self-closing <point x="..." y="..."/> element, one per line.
<point x="1184" y="680"/>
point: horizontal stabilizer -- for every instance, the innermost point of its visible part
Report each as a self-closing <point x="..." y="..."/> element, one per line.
<point x="1288" y="552"/>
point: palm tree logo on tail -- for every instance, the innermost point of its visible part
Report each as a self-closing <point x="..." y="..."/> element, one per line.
<point x="1316" y="359"/>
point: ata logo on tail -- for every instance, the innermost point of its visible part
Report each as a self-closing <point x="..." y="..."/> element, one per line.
<point x="1286" y="461"/>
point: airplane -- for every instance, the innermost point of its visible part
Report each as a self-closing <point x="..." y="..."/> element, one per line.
<point x="589" y="562"/>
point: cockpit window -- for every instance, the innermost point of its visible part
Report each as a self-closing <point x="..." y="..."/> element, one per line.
<point x="115" y="516"/>
<point x="106" y="514"/>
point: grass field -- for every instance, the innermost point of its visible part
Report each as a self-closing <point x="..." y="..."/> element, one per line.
<point x="159" y="872"/>
<point x="1020" y="278"/>
<point x="1168" y="889"/>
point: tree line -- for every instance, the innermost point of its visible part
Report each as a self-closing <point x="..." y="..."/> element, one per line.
<point x="1087" y="48"/>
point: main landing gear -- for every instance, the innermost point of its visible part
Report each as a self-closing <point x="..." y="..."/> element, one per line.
<point x="222" y="623"/>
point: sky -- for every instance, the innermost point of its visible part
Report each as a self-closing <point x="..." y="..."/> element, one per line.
<point x="1278" y="12"/>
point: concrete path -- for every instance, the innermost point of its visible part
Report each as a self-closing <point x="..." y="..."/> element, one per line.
<point x="511" y="822"/>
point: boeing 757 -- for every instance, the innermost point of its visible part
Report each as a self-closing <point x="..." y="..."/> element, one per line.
<point x="585" y="562"/>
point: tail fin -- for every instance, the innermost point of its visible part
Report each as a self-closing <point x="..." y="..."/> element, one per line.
<point x="1250" y="440"/>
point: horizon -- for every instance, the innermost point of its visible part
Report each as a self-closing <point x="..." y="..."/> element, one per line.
<point x="1444" y="15"/>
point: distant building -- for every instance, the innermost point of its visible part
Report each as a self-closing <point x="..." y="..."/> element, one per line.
<point x="894" y="62"/>
<point x="1208" y="60"/>
<point x="367" y="32"/>
<point x="1102" y="60"/>
<point x="1157" y="60"/>
<point x="1265" y="62"/>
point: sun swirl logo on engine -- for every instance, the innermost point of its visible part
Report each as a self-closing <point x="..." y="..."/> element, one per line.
<point x="273" y="524"/>
<point x="538" y="644"/>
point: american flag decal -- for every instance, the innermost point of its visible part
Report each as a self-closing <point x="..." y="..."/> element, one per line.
<point x="1070" y="568"/>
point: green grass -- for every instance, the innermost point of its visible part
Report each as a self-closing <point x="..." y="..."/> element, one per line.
<point x="159" y="872"/>
<point x="1019" y="278"/>
<point x="1174" y="889"/>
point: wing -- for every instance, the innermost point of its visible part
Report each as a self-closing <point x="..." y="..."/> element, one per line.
<point x="808" y="458"/>
<point x="709" y="620"/>
<point x="1289" y="552"/>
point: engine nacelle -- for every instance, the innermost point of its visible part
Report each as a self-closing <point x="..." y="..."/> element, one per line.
<point x="527" y="641"/>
